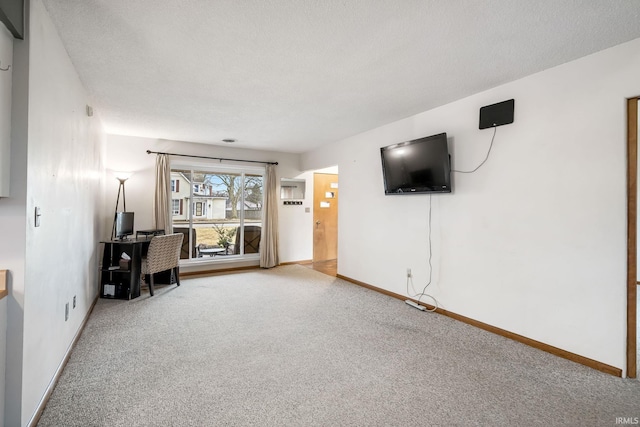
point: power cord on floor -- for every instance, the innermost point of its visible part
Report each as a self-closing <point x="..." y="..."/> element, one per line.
<point x="410" y="276"/>
<point x="422" y="294"/>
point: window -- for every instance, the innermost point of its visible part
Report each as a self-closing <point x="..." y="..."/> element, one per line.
<point x="223" y="212"/>
<point x="175" y="185"/>
<point x="175" y="207"/>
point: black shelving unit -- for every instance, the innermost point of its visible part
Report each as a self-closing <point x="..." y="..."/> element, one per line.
<point x="120" y="280"/>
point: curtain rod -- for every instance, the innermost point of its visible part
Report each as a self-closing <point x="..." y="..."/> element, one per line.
<point x="212" y="158"/>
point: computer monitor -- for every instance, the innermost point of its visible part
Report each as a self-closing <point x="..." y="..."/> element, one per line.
<point x="123" y="224"/>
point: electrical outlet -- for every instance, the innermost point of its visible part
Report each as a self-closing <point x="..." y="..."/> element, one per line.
<point x="408" y="272"/>
<point x="66" y="312"/>
<point x="74" y="301"/>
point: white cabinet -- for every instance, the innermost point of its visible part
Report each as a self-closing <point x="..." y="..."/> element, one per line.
<point x="6" y="71"/>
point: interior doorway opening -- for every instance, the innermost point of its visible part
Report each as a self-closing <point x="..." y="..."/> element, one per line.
<point x="325" y="220"/>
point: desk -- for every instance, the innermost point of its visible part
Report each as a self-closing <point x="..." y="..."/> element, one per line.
<point x="149" y="233"/>
<point x="122" y="280"/>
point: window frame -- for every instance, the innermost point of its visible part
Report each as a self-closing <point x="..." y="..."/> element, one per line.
<point x="216" y="168"/>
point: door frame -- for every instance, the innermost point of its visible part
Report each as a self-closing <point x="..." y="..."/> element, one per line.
<point x="327" y="171"/>
<point x="632" y="230"/>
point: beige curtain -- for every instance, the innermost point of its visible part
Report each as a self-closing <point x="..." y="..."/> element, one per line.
<point x="162" y="197"/>
<point x="269" y="239"/>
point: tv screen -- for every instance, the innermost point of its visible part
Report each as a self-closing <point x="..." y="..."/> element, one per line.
<point x="124" y="224"/>
<point x="417" y="166"/>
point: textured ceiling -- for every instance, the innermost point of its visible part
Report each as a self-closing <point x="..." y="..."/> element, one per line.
<point x="290" y="75"/>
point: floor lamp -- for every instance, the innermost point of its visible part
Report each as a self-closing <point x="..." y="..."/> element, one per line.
<point x="122" y="177"/>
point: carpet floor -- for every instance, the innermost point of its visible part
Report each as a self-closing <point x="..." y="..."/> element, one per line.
<point x="294" y="347"/>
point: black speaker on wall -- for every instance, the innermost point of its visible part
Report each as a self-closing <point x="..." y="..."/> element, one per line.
<point x="497" y="114"/>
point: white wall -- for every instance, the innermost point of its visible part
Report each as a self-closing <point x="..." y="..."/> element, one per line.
<point x="63" y="148"/>
<point x="13" y="232"/>
<point x="6" y="58"/>
<point x="296" y="225"/>
<point x="128" y="153"/>
<point x="535" y="241"/>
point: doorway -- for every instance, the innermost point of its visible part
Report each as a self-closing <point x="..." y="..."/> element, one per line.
<point x="632" y="237"/>
<point x="325" y="220"/>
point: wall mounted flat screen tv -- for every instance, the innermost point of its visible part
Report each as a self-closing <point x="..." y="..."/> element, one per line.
<point x="417" y="166"/>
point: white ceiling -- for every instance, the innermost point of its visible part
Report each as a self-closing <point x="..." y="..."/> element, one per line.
<point x="291" y="75"/>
